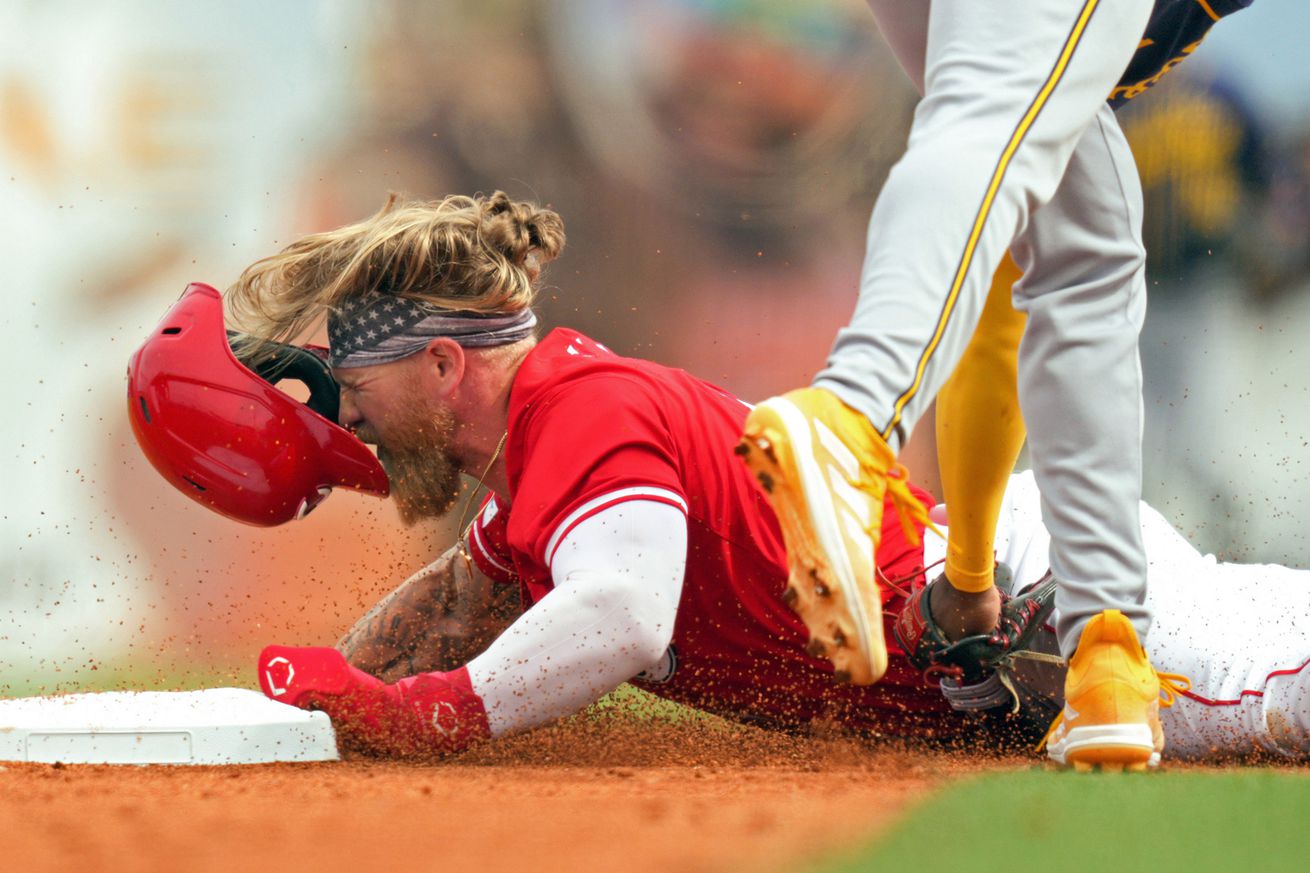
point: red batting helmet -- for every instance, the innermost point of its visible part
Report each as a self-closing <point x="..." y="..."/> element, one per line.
<point x="225" y="436"/>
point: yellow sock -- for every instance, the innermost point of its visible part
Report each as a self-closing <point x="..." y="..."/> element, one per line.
<point x="980" y="432"/>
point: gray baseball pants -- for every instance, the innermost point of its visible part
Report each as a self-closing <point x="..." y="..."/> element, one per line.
<point x="1013" y="147"/>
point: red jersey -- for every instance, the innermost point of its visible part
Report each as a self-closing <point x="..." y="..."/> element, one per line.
<point x="589" y="429"/>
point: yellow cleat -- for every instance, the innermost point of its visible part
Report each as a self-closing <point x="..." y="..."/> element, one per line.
<point x="1111" y="716"/>
<point x="827" y="471"/>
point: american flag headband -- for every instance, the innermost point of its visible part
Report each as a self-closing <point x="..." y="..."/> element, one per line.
<point x="379" y="329"/>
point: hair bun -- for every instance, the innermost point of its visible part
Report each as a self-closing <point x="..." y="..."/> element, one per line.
<point x="517" y="229"/>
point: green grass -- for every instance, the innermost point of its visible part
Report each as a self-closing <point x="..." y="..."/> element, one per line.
<point x="629" y="700"/>
<point x="1245" y="819"/>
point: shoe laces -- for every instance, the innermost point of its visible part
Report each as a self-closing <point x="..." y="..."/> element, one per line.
<point x="1172" y="686"/>
<point x="909" y="511"/>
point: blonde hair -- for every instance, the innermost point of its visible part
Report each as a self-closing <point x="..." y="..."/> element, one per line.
<point x="482" y="254"/>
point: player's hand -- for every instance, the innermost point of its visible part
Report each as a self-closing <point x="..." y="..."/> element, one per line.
<point x="962" y="614"/>
<point x="425" y="715"/>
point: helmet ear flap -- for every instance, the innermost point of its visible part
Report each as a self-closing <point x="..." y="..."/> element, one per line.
<point x="302" y="364"/>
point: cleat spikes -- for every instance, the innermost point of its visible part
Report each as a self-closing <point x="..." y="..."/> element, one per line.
<point x="795" y="447"/>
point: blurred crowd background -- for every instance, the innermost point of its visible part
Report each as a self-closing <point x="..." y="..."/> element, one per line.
<point x="715" y="162"/>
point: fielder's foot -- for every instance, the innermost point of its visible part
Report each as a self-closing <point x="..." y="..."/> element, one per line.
<point x="1111" y="716"/>
<point x="826" y="471"/>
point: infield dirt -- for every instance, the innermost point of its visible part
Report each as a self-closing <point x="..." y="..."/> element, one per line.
<point x="610" y="794"/>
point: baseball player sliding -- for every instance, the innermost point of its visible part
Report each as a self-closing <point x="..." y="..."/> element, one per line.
<point x="1013" y="147"/>
<point x="620" y="542"/>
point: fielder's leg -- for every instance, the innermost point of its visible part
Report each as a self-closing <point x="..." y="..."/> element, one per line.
<point x="979" y="428"/>
<point x="1079" y="377"/>
<point x="1010" y="86"/>
<point x="980" y="432"/>
<point x="1080" y="380"/>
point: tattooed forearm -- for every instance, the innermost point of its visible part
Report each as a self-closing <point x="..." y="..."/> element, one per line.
<point x="438" y="619"/>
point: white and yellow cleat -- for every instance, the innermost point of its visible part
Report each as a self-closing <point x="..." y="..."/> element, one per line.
<point x="1111" y="715"/>
<point x="826" y="472"/>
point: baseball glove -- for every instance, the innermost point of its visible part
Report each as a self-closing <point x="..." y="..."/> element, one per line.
<point x="1015" y="668"/>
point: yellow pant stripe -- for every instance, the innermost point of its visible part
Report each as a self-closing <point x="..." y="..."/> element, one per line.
<point x="1057" y="72"/>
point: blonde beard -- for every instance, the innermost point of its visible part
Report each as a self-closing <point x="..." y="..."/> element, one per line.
<point x="425" y="480"/>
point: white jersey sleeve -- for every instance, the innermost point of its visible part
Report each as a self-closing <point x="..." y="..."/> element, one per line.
<point x="617" y="582"/>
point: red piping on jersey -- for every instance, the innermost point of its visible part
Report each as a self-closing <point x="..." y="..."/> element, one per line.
<point x="1205" y="701"/>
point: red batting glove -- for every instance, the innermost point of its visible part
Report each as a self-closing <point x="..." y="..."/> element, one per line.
<point x="423" y="715"/>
